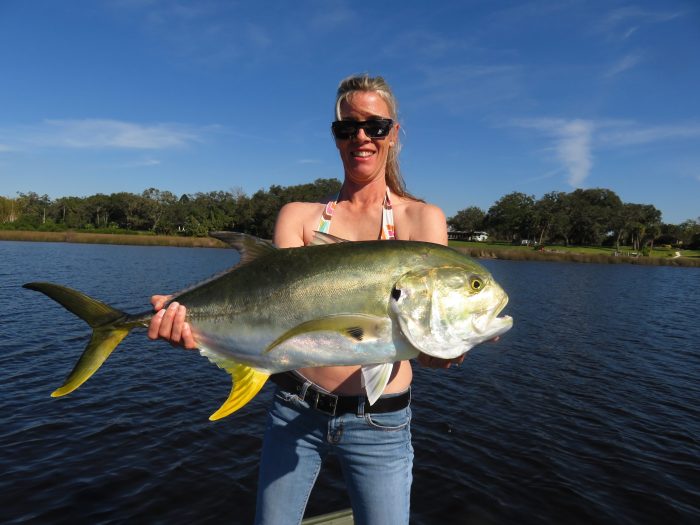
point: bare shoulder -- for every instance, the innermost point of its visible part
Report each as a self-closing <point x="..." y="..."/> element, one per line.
<point x="421" y="221"/>
<point x="295" y="222"/>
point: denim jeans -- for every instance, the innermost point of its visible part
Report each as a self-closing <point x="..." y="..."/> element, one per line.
<point x="374" y="452"/>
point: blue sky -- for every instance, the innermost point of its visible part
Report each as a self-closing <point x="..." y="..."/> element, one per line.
<point x="495" y="96"/>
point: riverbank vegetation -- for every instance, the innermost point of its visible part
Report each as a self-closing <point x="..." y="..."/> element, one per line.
<point x="585" y="225"/>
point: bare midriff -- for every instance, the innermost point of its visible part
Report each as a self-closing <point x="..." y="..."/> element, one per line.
<point x="347" y="380"/>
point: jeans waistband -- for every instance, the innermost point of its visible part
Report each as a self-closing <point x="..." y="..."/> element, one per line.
<point x="333" y="404"/>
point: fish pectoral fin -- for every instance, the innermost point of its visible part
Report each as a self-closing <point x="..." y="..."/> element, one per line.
<point x="321" y="238"/>
<point x="375" y="378"/>
<point x="247" y="382"/>
<point x="358" y="327"/>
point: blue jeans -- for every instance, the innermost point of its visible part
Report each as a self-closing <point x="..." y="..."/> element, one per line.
<point x="374" y="452"/>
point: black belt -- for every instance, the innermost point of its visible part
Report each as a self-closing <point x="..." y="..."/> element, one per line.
<point x="332" y="404"/>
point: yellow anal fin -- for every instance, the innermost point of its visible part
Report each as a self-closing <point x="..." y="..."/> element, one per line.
<point x="358" y="327"/>
<point x="247" y="382"/>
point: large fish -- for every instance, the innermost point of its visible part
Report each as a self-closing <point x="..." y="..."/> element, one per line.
<point x="334" y="303"/>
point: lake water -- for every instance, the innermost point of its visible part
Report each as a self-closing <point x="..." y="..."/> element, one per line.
<point x="587" y="411"/>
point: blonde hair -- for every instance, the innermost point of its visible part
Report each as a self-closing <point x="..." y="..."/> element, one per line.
<point x="378" y="85"/>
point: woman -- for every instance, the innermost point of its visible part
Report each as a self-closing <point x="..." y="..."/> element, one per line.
<point x="373" y="444"/>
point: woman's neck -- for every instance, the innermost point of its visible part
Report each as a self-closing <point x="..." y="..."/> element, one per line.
<point x="363" y="194"/>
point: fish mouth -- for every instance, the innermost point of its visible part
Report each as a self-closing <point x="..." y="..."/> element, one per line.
<point x="490" y="324"/>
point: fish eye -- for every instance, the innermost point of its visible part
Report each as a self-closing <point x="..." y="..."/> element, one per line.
<point x="395" y="293"/>
<point x="476" y="284"/>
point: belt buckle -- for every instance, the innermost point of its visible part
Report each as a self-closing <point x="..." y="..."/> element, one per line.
<point x="332" y="403"/>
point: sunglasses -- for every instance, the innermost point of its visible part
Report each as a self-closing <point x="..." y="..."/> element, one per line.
<point x="375" y="129"/>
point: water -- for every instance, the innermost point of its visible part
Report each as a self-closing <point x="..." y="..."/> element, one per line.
<point x="587" y="411"/>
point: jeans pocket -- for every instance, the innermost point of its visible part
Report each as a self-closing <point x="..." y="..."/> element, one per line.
<point x="390" y="421"/>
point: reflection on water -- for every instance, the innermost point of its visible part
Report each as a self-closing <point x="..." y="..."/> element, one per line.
<point x="585" y="412"/>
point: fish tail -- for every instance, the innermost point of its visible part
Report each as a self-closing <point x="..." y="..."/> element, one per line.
<point x="109" y="326"/>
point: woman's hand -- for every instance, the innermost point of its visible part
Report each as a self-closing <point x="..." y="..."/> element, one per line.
<point x="169" y="323"/>
<point x="436" y="362"/>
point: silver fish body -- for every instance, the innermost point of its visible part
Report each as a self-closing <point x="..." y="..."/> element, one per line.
<point x="362" y="303"/>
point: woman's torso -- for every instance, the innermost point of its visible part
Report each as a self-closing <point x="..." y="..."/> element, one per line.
<point x="357" y="224"/>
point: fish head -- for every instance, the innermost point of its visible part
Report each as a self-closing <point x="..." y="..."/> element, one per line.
<point x="445" y="311"/>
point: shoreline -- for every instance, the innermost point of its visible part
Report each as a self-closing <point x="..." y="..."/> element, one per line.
<point x="477" y="252"/>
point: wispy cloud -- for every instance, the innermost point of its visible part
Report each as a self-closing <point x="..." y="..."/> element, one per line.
<point x="329" y="15"/>
<point x="574" y="140"/>
<point x="631" y="133"/>
<point x="310" y="161"/>
<point x="100" y="134"/>
<point x="571" y="143"/>
<point x="465" y="87"/>
<point x="144" y="163"/>
<point x="627" y="62"/>
<point x="623" y="22"/>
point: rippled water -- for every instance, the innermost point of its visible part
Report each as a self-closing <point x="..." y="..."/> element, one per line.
<point x="587" y="411"/>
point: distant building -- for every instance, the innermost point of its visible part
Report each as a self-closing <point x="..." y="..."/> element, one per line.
<point x="455" y="235"/>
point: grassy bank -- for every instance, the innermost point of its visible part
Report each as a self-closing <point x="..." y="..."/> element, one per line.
<point x="111" y="238"/>
<point x="689" y="258"/>
<point x="480" y="250"/>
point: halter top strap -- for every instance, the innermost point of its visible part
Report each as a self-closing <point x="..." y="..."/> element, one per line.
<point x="388" y="232"/>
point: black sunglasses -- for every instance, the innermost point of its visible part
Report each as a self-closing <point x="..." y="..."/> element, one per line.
<point x="375" y="129"/>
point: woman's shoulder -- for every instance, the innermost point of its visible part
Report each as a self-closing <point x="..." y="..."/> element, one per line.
<point x="302" y="208"/>
<point x="296" y="222"/>
<point x="420" y="221"/>
<point x="418" y="210"/>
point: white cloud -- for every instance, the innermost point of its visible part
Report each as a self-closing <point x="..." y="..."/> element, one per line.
<point x="465" y="87"/>
<point x="630" y="133"/>
<point x="571" y="143"/>
<point x="99" y="134"/>
<point x="574" y="140"/>
<point x="625" y="21"/>
<point x="309" y="161"/>
<point x="625" y="63"/>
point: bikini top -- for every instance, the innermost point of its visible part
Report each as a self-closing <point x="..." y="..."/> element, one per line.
<point x="388" y="234"/>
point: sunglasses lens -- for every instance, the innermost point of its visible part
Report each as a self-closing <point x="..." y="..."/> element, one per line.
<point x="375" y="129"/>
<point x="345" y="129"/>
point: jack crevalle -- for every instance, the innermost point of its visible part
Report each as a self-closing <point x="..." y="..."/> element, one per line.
<point x="368" y="303"/>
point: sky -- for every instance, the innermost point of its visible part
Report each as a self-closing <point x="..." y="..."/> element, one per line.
<point x="494" y="96"/>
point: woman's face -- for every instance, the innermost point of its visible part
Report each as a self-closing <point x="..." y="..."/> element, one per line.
<point x="364" y="158"/>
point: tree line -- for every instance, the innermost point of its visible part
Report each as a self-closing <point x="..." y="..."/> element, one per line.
<point x="582" y="217"/>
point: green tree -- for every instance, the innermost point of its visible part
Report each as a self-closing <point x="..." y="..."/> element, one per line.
<point x="512" y="217"/>
<point x="468" y="220"/>
<point x="592" y="215"/>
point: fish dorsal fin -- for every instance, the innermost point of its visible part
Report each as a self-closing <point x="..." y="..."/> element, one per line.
<point x="375" y="378"/>
<point x="357" y="327"/>
<point x="321" y="238"/>
<point x="248" y="246"/>
<point x="247" y="382"/>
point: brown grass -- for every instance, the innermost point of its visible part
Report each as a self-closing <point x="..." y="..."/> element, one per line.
<point x="111" y="238"/>
<point x="600" y="258"/>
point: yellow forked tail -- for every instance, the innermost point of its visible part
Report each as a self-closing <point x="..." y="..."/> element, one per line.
<point x="247" y="382"/>
<point x="109" y="325"/>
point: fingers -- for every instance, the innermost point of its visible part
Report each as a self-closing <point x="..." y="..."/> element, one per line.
<point x="170" y="324"/>
<point x="154" y="327"/>
<point x="187" y="338"/>
<point x="158" y="301"/>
